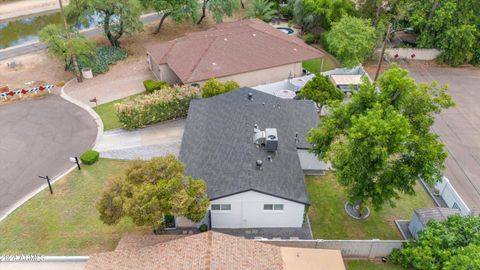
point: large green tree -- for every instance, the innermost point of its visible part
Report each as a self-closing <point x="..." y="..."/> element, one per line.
<point x="151" y="190"/>
<point x="448" y="245"/>
<point x="321" y="91"/>
<point x="380" y="143"/>
<point x="218" y="9"/>
<point x="351" y="40"/>
<point x="449" y="25"/>
<point x="262" y="9"/>
<point x="178" y="10"/>
<point x="115" y="17"/>
<point x="313" y="13"/>
<point x="55" y="38"/>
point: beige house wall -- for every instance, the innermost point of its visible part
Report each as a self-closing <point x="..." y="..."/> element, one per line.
<point x="163" y="72"/>
<point x="264" y="76"/>
<point x="253" y="78"/>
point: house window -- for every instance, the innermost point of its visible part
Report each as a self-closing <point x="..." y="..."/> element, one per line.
<point x="221" y="207"/>
<point x="273" y="207"/>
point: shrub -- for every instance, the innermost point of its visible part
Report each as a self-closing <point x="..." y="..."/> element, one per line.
<point x="230" y="85"/>
<point x="203" y="228"/>
<point x="170" y="103"/>
<point x="111" y="55"/>
<point x="151" y="85"/>
<point x="90" y="157"/>
<point x="311" y="38"/>
<point x="214" y="87"/>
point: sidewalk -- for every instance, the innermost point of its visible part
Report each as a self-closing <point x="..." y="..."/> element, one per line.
<point x="157" y="140"/>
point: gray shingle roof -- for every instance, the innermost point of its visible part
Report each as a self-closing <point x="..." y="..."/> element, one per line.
<point x="218" y="146"/>
<point x="435" y="213"/>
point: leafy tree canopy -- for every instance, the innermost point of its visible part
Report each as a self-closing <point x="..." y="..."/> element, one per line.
<point x="321" y="90"/>
<point x="323" y="13"/>
<point x="218" y="9"/>
<point x="351" y="40"/>
<point x="178" y="10"/>
<point x="55" y="38"/>
<point x="117" y="17"/>
<point x="449" y="25"/>
<point x="262" y="9"/>
<point x="150" y="190"/>
<point x="448" y="245"/>
<point x="380" y="142"/>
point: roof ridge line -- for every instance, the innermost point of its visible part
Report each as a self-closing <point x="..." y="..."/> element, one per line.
<point x="208" y="256"/>
<point x="190" y="72"/>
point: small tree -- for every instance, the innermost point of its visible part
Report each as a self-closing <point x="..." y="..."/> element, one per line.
<point x="218" y="8"/>
<point x="321" y="91"/>
<point x="351" y="40"/>
<point x="378" y="155"/>
<point x="178" y="10"/>
<point x="261" y="9"/>
<point x="148" y="191"/>
<point x="117" y="17"/>
<point x="451" y="244"/>
<point x="55" y="38"/>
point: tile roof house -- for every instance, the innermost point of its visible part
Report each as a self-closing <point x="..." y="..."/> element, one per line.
<point x="210" y="250"/>
<point x="228" y="142"/>
<point x="249" y="52"/>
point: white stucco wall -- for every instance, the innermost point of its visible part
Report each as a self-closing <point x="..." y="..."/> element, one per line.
<point x="162" y="72"/>
<point x="247" y="212"/>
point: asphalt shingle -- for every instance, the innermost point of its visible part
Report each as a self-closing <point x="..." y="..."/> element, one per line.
<point x="218" y="146"/>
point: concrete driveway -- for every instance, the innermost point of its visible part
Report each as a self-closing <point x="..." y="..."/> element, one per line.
<point x="37" y="137"/>
<point x="459" y="127"/>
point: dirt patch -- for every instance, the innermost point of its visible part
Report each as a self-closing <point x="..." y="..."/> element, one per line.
<point x="32" y="70"/>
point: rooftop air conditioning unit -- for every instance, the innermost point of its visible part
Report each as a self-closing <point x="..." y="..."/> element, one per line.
<point x="271" y="139"/>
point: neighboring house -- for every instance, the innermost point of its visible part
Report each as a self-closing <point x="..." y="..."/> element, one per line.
<point x="345" y="79"/>
<point x="422" y="216"/>
<point x="210" y="250"/>
<point x="245" y="144"/>
<point x="249" y="52"/>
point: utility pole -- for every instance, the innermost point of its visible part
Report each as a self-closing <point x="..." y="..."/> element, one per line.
<point x="72" y="52"/>
<point x="384" y="47"/>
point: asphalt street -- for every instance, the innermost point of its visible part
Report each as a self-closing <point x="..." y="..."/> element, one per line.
<point x="37" y="137"/>
<point x="459" y="127"/>
<point x="37" y="46"/>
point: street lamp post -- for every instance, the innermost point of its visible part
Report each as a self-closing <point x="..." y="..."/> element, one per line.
<point x="48" y="181"/>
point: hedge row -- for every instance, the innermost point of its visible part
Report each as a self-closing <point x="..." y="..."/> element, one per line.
<point x="170" y="103"/>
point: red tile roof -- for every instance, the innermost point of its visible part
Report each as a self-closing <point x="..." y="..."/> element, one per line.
<point x="230" y="48"/>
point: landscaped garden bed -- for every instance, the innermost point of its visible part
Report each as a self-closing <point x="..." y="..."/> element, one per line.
<point x="328" y="219"/>
<point x="67" y="222"/>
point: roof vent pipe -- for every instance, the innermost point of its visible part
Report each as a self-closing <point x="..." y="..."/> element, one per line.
<point x="259" y="164"/>
<point x="269" y="158"/>
<point x="250" y="96"/>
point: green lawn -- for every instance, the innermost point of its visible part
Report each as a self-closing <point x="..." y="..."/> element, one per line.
<point x="367" y="265"/>
<point x="65" y="223"/>
<point x="329" y="220"/>
<point x="108" y="115"/>
<point x="314" y="65"/>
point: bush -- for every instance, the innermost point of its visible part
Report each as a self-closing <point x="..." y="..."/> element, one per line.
<point x="203" y="228"/>
<point x="151" y="85"/>
<point x="311" y="38"/>
<point x="90" y="157"/>
<point x="170" y="103"/>
<point x="214" y="87"/>
<point x="99" y="61"/>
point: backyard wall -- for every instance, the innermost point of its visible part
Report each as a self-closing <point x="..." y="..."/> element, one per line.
<point x="363" y="249"/>
<point x="406" y="53"/>
<point x="451" y="197"/>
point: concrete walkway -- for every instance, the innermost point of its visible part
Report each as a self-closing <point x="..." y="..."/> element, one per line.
<point x="157" y="140"/>
<point x="122" y="80"/>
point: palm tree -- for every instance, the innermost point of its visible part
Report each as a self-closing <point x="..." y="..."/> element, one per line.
<point x="261" y="9"/>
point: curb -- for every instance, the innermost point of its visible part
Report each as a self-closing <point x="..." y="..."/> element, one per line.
<point x="92" y="113"/>
<point x="99" y="122"/>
